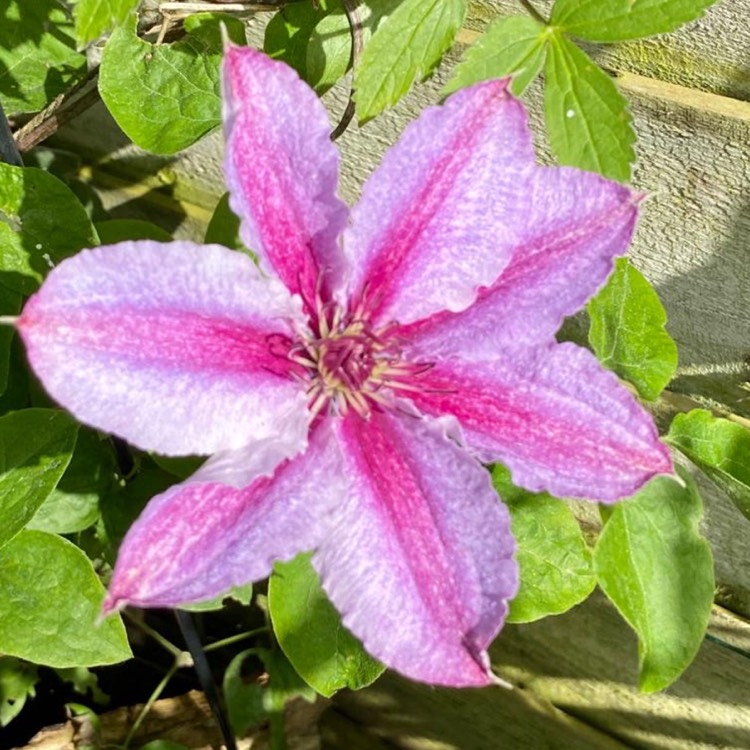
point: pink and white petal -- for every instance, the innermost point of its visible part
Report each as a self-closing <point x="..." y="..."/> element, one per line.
<point x="576" y="224"/>
<point x="555" y="417"/>
<point x="419" y="560"/>
<point x="442" y="214"/>
<point x="178" y="348"/>
<point x="282" y="172"/>
<point x="200" y="538"/>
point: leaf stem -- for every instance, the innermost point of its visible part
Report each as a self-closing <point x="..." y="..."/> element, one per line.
<point x="150" y="702"/>
<point x="158" y="637"/>
<point x="232" y="639"/>
<point x="534" y="12"/>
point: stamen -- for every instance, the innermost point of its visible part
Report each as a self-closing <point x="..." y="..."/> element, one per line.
<point x="349" y="365"/>
<point x="317" y="405"/>
<point x="304" y="361"/>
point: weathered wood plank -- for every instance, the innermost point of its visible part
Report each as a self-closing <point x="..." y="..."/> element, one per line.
<point x="579" y="667"/>
<point x="409" y="716"/>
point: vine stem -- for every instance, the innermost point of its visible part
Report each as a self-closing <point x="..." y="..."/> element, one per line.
<point x="61" y="109"/>
<point x="533" y="11"/>
<point x="203" y="670"/>
<point x="355" y="29"/>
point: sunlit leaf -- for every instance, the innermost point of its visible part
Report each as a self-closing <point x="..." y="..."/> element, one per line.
<point x="654" y="565"/>
<point x="316" y="41"/>
<point x="50" y="605"/>
<point x="720" y="448"/>
<point x="41" y="222"/>
<point x="406" y="47"/>
<point x="511" y="45"/>
<point x="587" y="118"/>
<point x="165" y="97"/>
<point x="74" y="504"/>
<point x="618" y="20"/>
<point x="627" y="331"/>
<point x="310" y="632"/>
<point x="553" y="559"/>
<point x="94" y="17"/>
<point x="38" y="59"/>
<point x="35" y="449"/>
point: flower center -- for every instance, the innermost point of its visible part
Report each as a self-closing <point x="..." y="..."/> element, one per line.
<point x="352" y="366"/>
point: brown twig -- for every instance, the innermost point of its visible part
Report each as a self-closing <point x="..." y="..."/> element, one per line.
<point x="534" y="12"/>
<point x="351" y="8"/>
<point x="61" y="109"/>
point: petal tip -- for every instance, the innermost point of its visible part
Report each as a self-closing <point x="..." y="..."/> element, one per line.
<point x="112" y="603"/>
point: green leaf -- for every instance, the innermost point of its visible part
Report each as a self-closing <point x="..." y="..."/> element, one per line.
<point x="242" y="594"/>
<point x="164" y="745"/>
<point x="35" y="448"/>
<point x="243" y="698"/>
<point x="654" y="565"/>
<point x="627" y="332"/>
<point x="94" y="17"/>
<point x="10" y="304"/>
<point x="310" y="632"/>
<point x="165" y="97"/>
<point x="41" y="222"/>
<point x="587" y="118"/>
<point x="120" y="507"/>
<point x="553" y="559"/>
<point x="74" y="504"/>
<point x="121" y="230"/>
<point x="84" y="681"/>
<point x="17" y="682"/>
<point x="619" y="20"/>
<point x="38" y="59"/>
<point x="512" y="45"/>
<point x="284" y="683"/>
<point x="316" y="42"/>
<point x="16" y="394"/>
<point x="406" y="47"/>
<point x="224" y="227"/>
<point x="179" y="466"/>
<point x="50" y="604"/>
<point x="720" y="448"/>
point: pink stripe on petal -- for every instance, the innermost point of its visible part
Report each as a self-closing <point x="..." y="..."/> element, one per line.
<point x="555" y="417"/>
<point x="576" y="224"/>
<point x="420" y="558"/>
<point x="440" y="217"/>
<point x="201" y="538"/>
<point x="177" y="348"/>
<point x="282" y="172"/>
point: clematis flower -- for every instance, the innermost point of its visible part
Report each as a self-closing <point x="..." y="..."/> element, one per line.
<point x="349" y="386"/>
